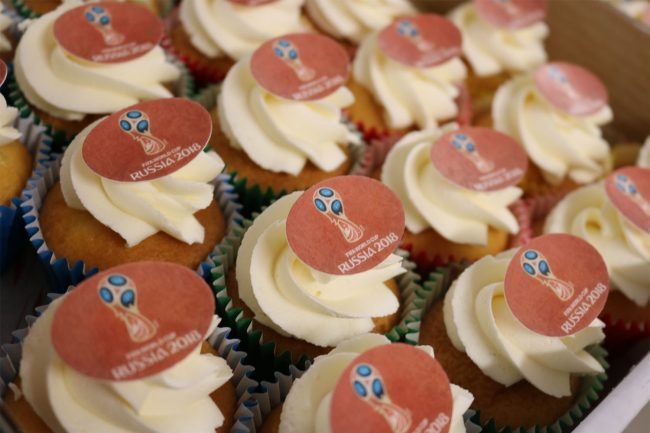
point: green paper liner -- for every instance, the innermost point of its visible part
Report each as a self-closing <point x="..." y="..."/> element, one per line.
<point x="588" y="394"/>
<point x="184" y="87"/>
<point x="265" y="358"/>
<point x="252" y="196"/>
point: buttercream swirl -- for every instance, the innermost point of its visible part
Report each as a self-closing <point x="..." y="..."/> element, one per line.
<point x="409" y="95"/>
<point x="5" y="22"/>
<point x="279" y="134"/>
<point x="307" y="407"/>
<point x="218" y="27"/>
<point x="560" y="144"/>
<point x="644" y="156"/>
<point x="480" y="323"/>
<point x="491" y="49"/>
<point x="176" y="400"/>
<point x="293" y="299"/>
<point x="430" y="200"/>
<point x="69" y="88"/>
<point x="590" y="215"/>
<point x="7" y="117"/>
<point x="354" y="19"/>
<point x="137" y="210"/>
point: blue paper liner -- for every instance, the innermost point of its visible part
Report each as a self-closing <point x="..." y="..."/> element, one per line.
<point x="221" y="340"/>
<point x="60" y="272"/>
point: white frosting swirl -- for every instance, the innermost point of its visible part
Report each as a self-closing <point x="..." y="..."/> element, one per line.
<point x="5" y="22"/>
<point x="137" y="210"/>
<point x="176" y="400"/>
<point x="354" y="19"/>
<point x="430" y="200"/>
<point x="307" y="407"/>
<point x="216" y="27"/>
<point x="590" y="215"/>
<point x="279" y="134"/>
<point x="409" y="95"/>
<point x="491" y="50"/>
<point x="293" y="299"/>
<point x="480" y="323"/>
<point x="69" y="87"/>
<point x="8" y="115"/>
<point x="644" y="155"/>
<point x="560" y="144"/>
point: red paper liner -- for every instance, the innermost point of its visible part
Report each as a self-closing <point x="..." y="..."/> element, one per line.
<point x="523" y="211"/>
<point x="465" y="108"/>
<point x="621" y="332"/>
<point x="542" y="204"/>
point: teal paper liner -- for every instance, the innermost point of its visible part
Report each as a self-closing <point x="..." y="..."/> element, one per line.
<point x="184" y="87"/>
<point x="252" y="196"/>
<point x="60" y="272"/>
<point x="590" y="386"/>
<point x="221" y="340"/>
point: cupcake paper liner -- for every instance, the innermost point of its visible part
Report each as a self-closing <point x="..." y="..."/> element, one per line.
<point x="184" y="87"/>
<point x="252" y="196"/>
<point x="61" y="273"/>
<point x="437" y="286"/>
<point x="221" y="340"/>
<point x="39" y="145"/>
<point x="621" y="332"/>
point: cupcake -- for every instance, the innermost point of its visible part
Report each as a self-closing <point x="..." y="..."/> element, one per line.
<point x="16" y="159"/>
<point x="133" y="186"/>
<point x="352" y="20"/>
<point x="611" y="219"/>
<point x="408" y="75"/>
<point x="69" y="72"/>
<point x="211" y="36"/>
<point x="643" y="160"/>
<point x="500" y="40"/>
<point x="318" y="267"/>
<point x="6" y="38"/>
<point x="36" y="8"/>
<point x="458" y="188"/>
<point x="334" y="394"/>
<point x="145" y="365"/>
<point x="518" y="331"/>
<point x="278" y="121"/>
<point x="638" y="10"/>
<point x="556" y="114"/>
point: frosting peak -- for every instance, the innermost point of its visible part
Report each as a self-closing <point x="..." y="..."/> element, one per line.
<point x="7" y="117"/>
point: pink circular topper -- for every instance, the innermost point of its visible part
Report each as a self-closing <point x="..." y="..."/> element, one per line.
<point x="571" y="88"/>
<point x="480" y="159"/>
<point x="512" y="14"/>
<point x="556" y="285"/>
<point x="629" y="190"/>
<point x="301" y="66"/>
<point x="108" y="32"/>
<point x="645" y="17"/>
<point x="147" y="141"/>
<point x="3" y="72"/>
<point x="251" y="2"/>
<point x="392" y="388"/>
<point x="133" y="321"/>
<point x="345" y="225"/>
<point x="421" y="41"/>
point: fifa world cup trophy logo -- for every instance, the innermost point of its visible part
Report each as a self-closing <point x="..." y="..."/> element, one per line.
<point x="290" y="55"/>
<point x="136" y="124"/>
<point x="330" y="204"/>
<point x="510" y="8"/>
<point x="101" y="20"/>
<point x="119" y="293"/>
<point x="369" y="386"/>
<point x="466" y="146"/>
<point x="628" y="187"/>
<point x="411" y="32"/>
<point x="558" y="76"/>
<point x="537" y="267"/>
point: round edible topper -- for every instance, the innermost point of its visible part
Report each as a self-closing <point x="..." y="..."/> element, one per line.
<point x="147" y="141"/>
<point x="421" y="41"/>
<point x="629" y="190"/>
<point x="301" y="66"/>
<point x="480" y="159"/>
<point x="571" y="88"/>
<point x="133" y="321"/>
<point x="3" y="72"/>
<point x="345" y="225"/>
<point x="556" y="285"/>
<point x="251" y="2"/>
<point x="511" y="14"/>
<point x="645" y="17"/>
<point x="108" y="32"/>
<point x="392" y="388"/>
